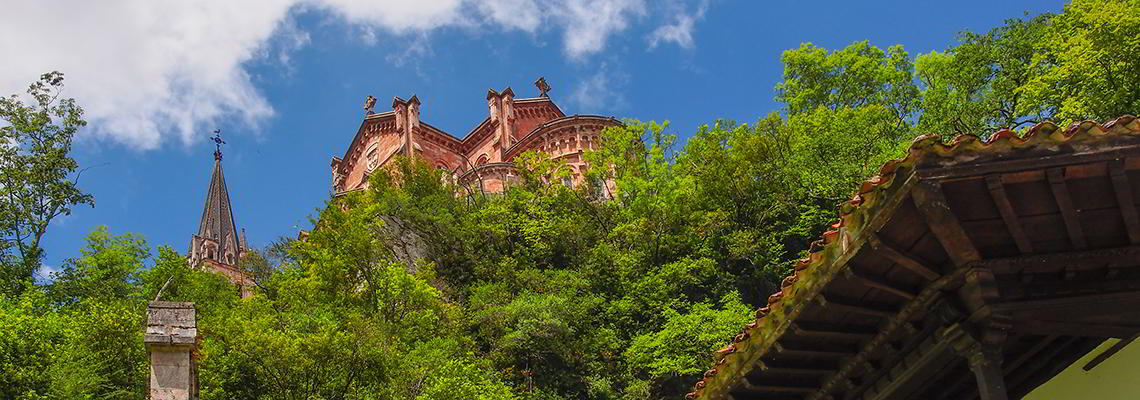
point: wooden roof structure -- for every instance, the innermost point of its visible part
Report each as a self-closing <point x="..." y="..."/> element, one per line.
<point x="966" y="270"/>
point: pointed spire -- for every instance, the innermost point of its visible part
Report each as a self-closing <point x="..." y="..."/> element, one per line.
<point x="217" y="223"/>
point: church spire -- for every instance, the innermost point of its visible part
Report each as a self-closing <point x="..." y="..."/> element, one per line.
<point x="217" y="239"/>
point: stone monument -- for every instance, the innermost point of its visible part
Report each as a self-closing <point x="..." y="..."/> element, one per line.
<point x="171" y="340"/>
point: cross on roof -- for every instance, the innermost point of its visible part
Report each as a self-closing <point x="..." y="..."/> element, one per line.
<point x="218" y="142"/>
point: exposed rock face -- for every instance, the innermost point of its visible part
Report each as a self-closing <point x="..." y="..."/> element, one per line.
<point x="171" y="339"/>
<point x="407" y="245"/>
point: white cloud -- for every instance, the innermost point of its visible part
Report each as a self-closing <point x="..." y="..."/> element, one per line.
<point x="601" y="91"/>
<point x="144" y="70"/>
<point x="148" y="71"/>
<point x="680" y="31"/>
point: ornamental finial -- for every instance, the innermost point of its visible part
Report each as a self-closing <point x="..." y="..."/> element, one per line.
<point x="542" y="86"/>
<point x="218" y="142"/>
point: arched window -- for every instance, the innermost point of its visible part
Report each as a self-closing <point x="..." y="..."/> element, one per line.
<point x="482" y="160"/>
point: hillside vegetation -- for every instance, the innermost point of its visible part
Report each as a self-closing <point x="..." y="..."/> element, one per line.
<point x="617" y="291"/>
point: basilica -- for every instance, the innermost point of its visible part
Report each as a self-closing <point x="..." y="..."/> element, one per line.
<point x="482" y="158"/>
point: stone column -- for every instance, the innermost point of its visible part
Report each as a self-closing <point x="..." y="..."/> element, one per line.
<point x="171" y="339"/>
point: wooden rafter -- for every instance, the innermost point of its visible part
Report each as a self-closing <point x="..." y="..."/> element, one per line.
<point x="1027" y="163"/>
<point x="930" y="200"/>
<point x="1107" y="302"/>
<point x="1029" y="354"/>
<point x="1120" y="257"/>
<point x="879" y="283"/>
<point x="830" y="352"/>
<point x="843" y="306"/>
<point x="859" y="362"/>
<point x="1012" y="224"/>
<point x="777" y="388"/>
<point x="1124" y="199"/>
<point x="1040" y="327"/>
<point x="1056" y="360"/>
<point x="911" y="262"/>
<point x="1064" y="201"/>
<point x="927" y="354"/>
<point x="837" y="333"/>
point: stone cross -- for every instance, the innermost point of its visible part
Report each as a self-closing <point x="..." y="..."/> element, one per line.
<point x="171" y="339"/>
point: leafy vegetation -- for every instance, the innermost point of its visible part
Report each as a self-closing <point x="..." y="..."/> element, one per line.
<point x="616" y="289"/>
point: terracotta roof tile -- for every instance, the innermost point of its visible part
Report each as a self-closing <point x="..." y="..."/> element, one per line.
<point x="926" y="150"/>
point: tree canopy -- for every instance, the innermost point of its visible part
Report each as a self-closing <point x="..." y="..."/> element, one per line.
<point x="619" y="288"/>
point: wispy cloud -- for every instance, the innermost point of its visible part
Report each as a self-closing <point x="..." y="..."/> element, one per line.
<point x="680" y="32"/>
<point x="149" y="71"/>
<point x="603" y="91"/>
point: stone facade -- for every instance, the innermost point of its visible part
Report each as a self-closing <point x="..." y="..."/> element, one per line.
<point x="171" y="340"/>
<point x="484" y="157"/>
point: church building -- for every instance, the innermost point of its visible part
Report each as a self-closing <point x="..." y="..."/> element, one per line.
<point x="483" y="158"/>
<point x="217" y="247"/>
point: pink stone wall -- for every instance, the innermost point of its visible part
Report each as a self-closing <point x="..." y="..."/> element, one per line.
<point x="505" y="136"/>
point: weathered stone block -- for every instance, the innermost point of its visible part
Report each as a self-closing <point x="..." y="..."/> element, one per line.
<point x="171" y="338"/>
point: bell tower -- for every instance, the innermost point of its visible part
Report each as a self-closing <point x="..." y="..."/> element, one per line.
<point x="217" y="246"/>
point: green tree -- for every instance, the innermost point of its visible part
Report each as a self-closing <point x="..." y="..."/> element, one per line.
<point x="976" y="86"/>
<point x="1085" y="63"/>
<point x="37" y="175"/>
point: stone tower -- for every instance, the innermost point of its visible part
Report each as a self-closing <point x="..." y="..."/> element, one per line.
<point x="217" y="246"/>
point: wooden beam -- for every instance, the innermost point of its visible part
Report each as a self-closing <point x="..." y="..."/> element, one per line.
<point x="883" y="337"/>
<point x="1116" y="347"/>
<point x="878" y="284"/>
<point x="813" y="352"/>
<point x="796" y="371"/>
<point x="927" y="356"/>
<point x="1109" y="301"/>
<point x="1008" y="215"/>
<point x="1046" y="160"/>
<point x="842" y="306"/>
<point x="1019" y="376"/>
<point x="1039" y="327"/>
<point x="767" y="388"/>
<point x="912" y="263"/>
<point x="1029" y="354"/>
<point x="1124" y="199"/>
<point x="1120" y="257"/>
<point x="1037" y="373"/>
<point x="1064" y="201"/>
<point x="838" y="333"/>
<point x="930" y="200"/>
<point x="1059" y="289"/>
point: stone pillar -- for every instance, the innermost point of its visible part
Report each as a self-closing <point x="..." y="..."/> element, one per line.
<point x="171" y="340"/>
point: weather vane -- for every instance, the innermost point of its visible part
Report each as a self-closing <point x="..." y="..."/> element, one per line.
<point x="369" y="103"/>
<point x="542" y="86"/>
<point x="218" y="142"/>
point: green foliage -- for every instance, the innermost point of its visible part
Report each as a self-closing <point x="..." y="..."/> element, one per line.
<point x="976" y="87"/>
<point x="36" y="169"/>
<point x="681" y="347"/>
<point x="1085" y="63"/>
<point x="618" y="288"/>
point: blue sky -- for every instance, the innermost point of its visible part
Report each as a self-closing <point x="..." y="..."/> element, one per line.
<point x="285" y="79"/>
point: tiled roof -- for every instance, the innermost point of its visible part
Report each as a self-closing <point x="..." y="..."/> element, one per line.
<point x="827" y="255"/>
